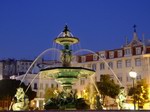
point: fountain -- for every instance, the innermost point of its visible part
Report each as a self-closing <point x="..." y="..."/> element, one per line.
<point x="66" y="75"/>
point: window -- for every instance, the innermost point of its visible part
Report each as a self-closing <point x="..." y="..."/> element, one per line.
<point x="129" y="79"/>
<point x="138" y="77"/>
<point x="119" y="64"/>
<point x="83" y="58"/>
<point x="52" y="85"/>
<point x="102" y="66"/>
<point x="127" y="52"/>
<point x="41" y="85"/>
<point x="22" y="68"/>
<point x="46" y="86"/>
<point x="128" y="63"/>
<point x="95" y="57"/>
<point x="120" y="78"/>
<point x="41" y="94"/>
<point x="137" y="62"/>
<point x="111" y="54"/>
<point x="56" y="85"/>
<point x="94" y="66"/>
<point x="138" y="50"/>
<point x="110" y="65"/>
<point x="89" y="66"/>
<point x="35" y="86"/>
<point x="119" y="53"/>
<point x="82" y="82"/>
<point x="102" y="55"/>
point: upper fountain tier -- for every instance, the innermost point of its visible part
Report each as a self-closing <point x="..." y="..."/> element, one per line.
<point x="66" y="38"/>
<point x="66" y="75"/>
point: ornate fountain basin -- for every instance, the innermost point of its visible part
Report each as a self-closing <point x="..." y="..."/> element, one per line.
<point x="66" y="76"/>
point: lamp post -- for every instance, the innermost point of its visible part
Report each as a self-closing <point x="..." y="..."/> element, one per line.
<point x="133" y="75"/>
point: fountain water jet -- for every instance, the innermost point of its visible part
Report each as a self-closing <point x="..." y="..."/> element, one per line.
<point x="39" y="56"/>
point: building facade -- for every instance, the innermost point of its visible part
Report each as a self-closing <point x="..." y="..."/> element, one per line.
<point x="119" y="62"/>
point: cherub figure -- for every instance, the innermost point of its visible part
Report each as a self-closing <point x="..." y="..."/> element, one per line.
<point x="20" y="101"/>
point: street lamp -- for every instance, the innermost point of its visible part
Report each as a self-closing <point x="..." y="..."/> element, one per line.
<point x="133" y="75"/>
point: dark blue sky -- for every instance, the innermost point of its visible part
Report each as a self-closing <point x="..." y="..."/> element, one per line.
<point x="27" y="27"/>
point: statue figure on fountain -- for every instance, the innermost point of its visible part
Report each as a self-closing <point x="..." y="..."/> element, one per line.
<point x="20" y="101"/>
<point x="121" y="99"/>
<point x="98" y="103"/>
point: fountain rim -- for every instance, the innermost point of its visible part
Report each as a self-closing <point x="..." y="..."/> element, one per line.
<point x="66" y="39"/>
<point x="66" y="68"/>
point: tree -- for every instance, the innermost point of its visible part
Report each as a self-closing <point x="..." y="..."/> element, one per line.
<point x="107" y="87"/>
<point x="141" y="93"/>
<point x="51" y="93"/>
<point x="8" y="88"/>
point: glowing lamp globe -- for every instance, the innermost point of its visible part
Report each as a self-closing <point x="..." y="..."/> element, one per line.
<point x="133" y="74"/>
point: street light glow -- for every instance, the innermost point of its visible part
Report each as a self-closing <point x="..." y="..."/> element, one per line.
<point x="132" y="74"/>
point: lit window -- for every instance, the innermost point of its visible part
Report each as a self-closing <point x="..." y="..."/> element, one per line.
<point x="102" y="55"/>
<point x="110" y="65"/>
<point x="111" y="54"/>
<point x="102" y="66"/>
<point x="94" y="66"/>
<point x="83" y="58"/>
<point x="95" y="57"/>
<point x="119" y="53"/>
<point x="119" y="64"/>
<point x="138" y="50"/>
<point x="128" y="63"/>
<point x="137" y="62"/>
<point x="127" y="52"/>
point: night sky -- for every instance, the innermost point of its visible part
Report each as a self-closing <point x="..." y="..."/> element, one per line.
<point x="27" y="27"/>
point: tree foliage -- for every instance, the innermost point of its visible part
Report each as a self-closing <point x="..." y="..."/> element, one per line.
<point x="51" y="93"/>
<point x="107" y="87"/>
<point x="8" y="88"/>
<point x="141" y="92"/>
